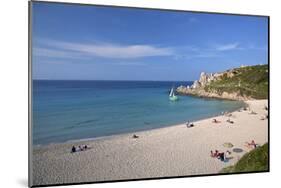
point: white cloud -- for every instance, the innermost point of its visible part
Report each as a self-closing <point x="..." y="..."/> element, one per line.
<point x="129" y="53"/>
<point x="53" y="53"/>
<point x="65" y="49"/>
<point x="238" y="46"/>
<point x="225" y="47"/>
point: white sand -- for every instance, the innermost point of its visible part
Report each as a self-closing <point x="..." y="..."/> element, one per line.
<point x="172" y="151"/>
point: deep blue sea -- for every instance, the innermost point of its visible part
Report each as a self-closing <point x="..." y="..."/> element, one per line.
<point x="71" y="110"/>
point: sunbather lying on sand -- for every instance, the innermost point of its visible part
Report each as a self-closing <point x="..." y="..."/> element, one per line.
<point x="252" y="112"/>
<point x="264" y="117"/>
<point x="229" y="121"/>
<point x="188" y="125"/>
<point x="135" y="136"/>
<point x="214" y="154"/>
<point x="80" y="148"/>
<point x="228" y="115"/>
<point x="83" y="148"/>
<point x="251" y="145"/>
<point x="216" y="121"/>
<point x="245" y="108"/>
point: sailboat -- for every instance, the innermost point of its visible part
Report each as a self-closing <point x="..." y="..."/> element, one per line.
<point x="172" y="95"/>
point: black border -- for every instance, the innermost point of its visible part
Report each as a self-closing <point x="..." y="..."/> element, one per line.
<point x="131" y="7"/>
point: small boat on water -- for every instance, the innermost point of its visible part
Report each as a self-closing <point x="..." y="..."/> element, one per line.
<point x="172" y="95"/>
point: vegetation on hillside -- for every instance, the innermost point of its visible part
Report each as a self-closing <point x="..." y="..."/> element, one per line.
<point x="256" y="160"/>
<point x="250" y="81"/>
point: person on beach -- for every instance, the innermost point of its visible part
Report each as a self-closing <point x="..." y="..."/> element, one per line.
<point x="215" y="121"/>
<point x="228" y="114"/>
<point x="252" y="144"/>
<point x="227" y="154"/>
<point x="80" y="148"/>
<point x="229" y="121"/>
<point x="73" y="149"/>
<point x="264" y="117"/>
<point x="252" y="112"/>
<point x="191" y="125"/>
<point x="135" y="136"/>
<point x="221" y="156"/>
<point x="188" y="124"/>
<point x="214" y="154"/>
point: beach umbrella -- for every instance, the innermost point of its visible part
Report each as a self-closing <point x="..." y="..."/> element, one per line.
<point x="228" y="145"/>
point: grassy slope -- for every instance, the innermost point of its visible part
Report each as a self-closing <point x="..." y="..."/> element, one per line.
<point x="256" y="160"/>
<point x="253" y="82"/>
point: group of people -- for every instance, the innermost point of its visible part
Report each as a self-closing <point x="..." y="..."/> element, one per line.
<point x="79" y="148"/>
<point x="220" y="155"/>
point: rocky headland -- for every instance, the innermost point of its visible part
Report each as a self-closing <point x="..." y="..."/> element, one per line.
<point x="244" y="83"/>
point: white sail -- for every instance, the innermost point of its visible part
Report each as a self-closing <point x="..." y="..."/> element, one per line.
<point x="172" y="92"/>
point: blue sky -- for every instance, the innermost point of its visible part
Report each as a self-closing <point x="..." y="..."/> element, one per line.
<point x="74" y="42"/>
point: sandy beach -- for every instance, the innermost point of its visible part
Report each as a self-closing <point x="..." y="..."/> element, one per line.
<point x="172" y="151"/>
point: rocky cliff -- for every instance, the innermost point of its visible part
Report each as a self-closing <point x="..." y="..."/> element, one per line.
<point x="242" y="83"/>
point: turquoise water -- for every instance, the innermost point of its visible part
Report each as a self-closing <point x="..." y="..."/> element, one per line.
<point x="70" y="110"/>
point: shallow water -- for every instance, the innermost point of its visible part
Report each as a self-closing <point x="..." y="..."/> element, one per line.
<point x="70" y="110"/>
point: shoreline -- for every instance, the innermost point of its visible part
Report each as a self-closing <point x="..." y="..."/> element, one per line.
<point x="141" y="131"/>
<point x="168" y="151"/>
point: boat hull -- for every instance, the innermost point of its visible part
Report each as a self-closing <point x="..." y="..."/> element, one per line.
<point x="173" y="98"/>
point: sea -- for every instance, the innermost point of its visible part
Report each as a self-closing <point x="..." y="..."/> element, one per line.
<point x="68" y="110"/>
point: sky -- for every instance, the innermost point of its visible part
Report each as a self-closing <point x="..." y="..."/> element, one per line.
<point x="76" y="42"/>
